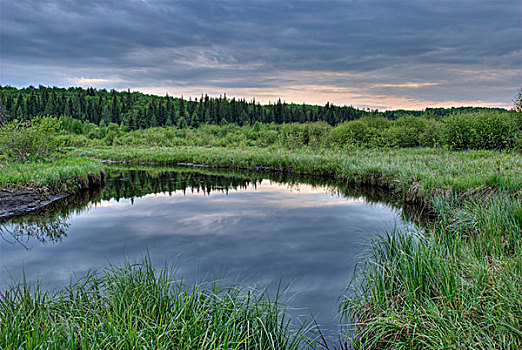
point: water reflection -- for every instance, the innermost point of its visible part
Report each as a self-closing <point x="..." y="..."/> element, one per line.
<point x="47" y="225"/>
<point x="256" y="227"/>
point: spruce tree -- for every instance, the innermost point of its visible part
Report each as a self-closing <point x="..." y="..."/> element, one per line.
<point x="181" y="107"/>
<point x="19" y="107"/>
<point x="153" y="121"/>
<point x="169" y="123"/>
<point x="115" y="111"/>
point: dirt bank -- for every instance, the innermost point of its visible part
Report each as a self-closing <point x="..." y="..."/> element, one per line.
<point x="20" y="202"/>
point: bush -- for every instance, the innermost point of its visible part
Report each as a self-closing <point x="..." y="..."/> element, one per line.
<point x="430" y="137"/>
<point x="36" y="139"/>
<point x="73" y="140"/>
<point x="295" y="135"/>
<point x="405" y="132"/>
<point x="354" y="133"/>
<point x="377" y="122"/>
<point x="481" y="130"/>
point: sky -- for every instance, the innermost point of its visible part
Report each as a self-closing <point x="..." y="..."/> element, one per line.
<point x="386" y="54"/>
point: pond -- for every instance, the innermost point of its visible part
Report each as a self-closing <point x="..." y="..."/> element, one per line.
<point x="306" y="234"/>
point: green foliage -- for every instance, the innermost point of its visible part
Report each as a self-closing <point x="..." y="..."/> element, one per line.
<point x="137" y="307"/>
<point x="357" y="133"/>
<point x="435" y="169"/>
<point x="297" y="135"/>
<point x="65" y="174"/>
<point x="431" y="135"/>
<point x="481" y="130"/>
<point x="457" y="285"/>
<point x="139" y="111"/>
<point x="89" y="111"/>
<point x="35" y="139"/>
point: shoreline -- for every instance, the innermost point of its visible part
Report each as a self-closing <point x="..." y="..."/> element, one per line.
<point x="22" y="201"/>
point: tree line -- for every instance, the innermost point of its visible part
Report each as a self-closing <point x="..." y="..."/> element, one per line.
<point x="136" y="110"/>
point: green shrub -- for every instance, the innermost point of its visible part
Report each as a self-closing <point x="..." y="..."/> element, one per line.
<point x="405" y="132"/>
<point x="493" y="130"/>
<point x="377" y="122"/>
<point x="293" y="135"/>
<point x="296" y="135"/>
<point x="430" y="136"/>
<point x="317" y="132"/>
<point x="73" y="140"/>
<point x="35" y="139"/>
<point x="397" y="136"/>
<point x="354" y="133"/>
<point x="481" y="130"/>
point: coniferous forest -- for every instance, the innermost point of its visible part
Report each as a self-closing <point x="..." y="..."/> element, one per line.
<point x="136" y="110"/>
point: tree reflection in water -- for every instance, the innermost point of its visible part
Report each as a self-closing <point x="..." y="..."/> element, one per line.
<point x="44" y="230"/>
<point x="49" y="224"/>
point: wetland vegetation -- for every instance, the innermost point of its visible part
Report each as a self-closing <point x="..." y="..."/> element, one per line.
<point x="455" y="284"/>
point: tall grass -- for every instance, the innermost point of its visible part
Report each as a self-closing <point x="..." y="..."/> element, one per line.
<point x="135" y="306"/>
<point x="457" y="286"/>
<point x="398" y="170"/>
<point x="66" y="174"/>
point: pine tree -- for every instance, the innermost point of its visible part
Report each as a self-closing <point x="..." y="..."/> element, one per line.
<point x="129" y="101"/>
<point x="194" y="120"/>
<point x="43" y="97"/>
<point x="50" y="107"/>
<point x="3" y="117"/>
<point x="153" y="121"/>
<point x="115" y="111"/>
<point x="139" y="119"/>
<point x="130" y="121"/>
<point x="181" y="107"/>
<point x="19" y="107"/>
<point x="169" y="123"/>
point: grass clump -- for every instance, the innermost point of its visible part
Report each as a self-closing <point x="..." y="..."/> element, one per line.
<point x="456" y="286"/>
<point x="135" y="306"/>
<point x="32" y="156"/>
<point x="64" y="174"/>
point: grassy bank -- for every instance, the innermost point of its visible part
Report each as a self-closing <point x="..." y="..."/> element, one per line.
<point x="400" y="170"/>
<point x="68" y="174"/>
<point x="136" y="307"/>
<point x="458" y="284"/>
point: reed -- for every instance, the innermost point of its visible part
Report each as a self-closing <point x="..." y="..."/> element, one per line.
<point x="67" y="174"/>
<point x="458" y="285"/>
<point x="134" y="306"/>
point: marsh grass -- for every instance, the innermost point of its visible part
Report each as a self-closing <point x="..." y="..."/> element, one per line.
<point x="456" y="286"/>
<point x="397" y="170"/>
<point x="65" y="174"/>
<point x="136" y="306"/>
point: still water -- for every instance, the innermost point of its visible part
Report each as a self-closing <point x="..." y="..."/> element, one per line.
<point x="259" y="229"/>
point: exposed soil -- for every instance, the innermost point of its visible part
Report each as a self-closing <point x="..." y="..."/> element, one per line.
<point x="20" y="202"/>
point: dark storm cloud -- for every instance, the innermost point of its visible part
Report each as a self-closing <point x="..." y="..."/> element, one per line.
<point x="257" y="45"/>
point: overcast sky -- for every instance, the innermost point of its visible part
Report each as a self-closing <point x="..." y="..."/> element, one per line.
<point x="378" y="54"/>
